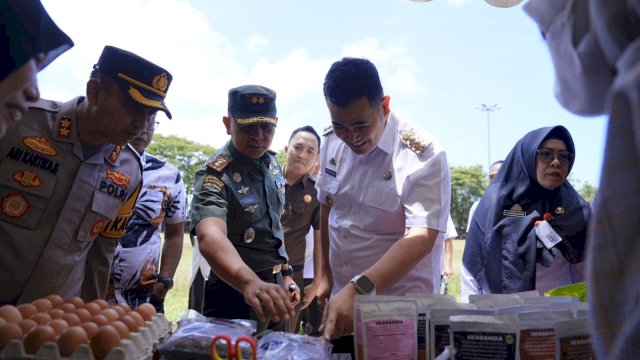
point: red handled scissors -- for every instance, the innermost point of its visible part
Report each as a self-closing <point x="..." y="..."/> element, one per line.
<point x="233" y="350"/>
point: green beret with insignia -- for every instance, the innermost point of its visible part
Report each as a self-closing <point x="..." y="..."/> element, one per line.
<point x="145" y="82"/>
<point x="253" y="104"/>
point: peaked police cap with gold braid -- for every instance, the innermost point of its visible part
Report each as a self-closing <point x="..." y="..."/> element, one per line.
<point x="145" y="82"/>
<point x="253" y="104"/>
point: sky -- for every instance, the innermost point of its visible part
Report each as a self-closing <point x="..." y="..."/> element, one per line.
<point x="438" y="60"/>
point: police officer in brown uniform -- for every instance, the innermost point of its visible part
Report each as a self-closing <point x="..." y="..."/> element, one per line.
<point x="236" y="208"/>
<point x="69" y="179"/>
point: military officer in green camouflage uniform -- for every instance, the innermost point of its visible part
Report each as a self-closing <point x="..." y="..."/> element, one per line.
<point x="69" y="179"/>
<point x="236" y="208"/>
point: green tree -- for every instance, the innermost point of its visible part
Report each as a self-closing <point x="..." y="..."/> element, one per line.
<point x="186" y="155"/>
<point x="467" y="185"/>
<point x="587" y="191"/>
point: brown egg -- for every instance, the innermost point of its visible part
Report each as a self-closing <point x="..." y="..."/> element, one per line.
<point x="56" y="313"/>
<point x="130" y="322"/>
<point x="83" y="314"/>
<point x="76" y="301"/>
<point x="122" y="328"/>
<point x="26" y="325"/>
<point x="10" y="313"/>
<point x="41" y="318"/>
<point x="71" y="319"/>
<point x="105" y="339"/>
<point x="137" y="317"/>
<point x="93" y="308"/>
<point x="110" y="314"/>
<point x="125" y="306"/>
<point x="102" y="303"/>
<point x="56" y="300"/>
<point x="43" y="305"/>
<point x="27" y="310"/>
<point x="9" y="331"/>
<point x="90" y="328"/>
<point x="100" y="320"/>
<point x="120" y="310"/>
<point x="67" y="307"/>
<point x="59" y="326"/>
<point x="38" y="336"/>
<point x="146" y="310"/>
<point x="70" y="339"/>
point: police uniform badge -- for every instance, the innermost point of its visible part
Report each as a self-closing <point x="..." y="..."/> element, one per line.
<point x="307" y="198"/>
<point x="387" y="175"/>
<point x="40" y="144"/>
<point x="27" y="178"/>
<point x="15" y="205"/>
<point x="236" y="177"/>
<point x="559" y="210"/>
<point x="249" y="235"/>
<point x="113" y="157"/>
<point x="64" y="128"/>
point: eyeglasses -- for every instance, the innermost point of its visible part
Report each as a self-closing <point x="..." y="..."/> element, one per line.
<point x="547" y="155"/>
<point x="152" y="125"/>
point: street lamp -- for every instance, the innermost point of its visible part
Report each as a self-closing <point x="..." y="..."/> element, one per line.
<point x="488" y="109"/>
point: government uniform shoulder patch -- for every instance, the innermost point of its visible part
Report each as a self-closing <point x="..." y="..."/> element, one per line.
<point x="219" y="163"/>
<point x="212" y="181"/>
<point x="415" y="141"/>
<point x="328" y="130"/>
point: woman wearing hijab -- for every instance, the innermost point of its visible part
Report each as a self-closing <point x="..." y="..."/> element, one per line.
<point x="29" y="41"/>
<point x="529" y="229"/>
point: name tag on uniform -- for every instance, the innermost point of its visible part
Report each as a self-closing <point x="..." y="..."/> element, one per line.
<point x="514" y="213"/>
<point x="546" y="234"/>
<point x="330" y="172"/>
<point x="248" y="200"/>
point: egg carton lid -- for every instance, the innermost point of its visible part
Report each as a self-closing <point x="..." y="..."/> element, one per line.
<point x="139" y="346"/>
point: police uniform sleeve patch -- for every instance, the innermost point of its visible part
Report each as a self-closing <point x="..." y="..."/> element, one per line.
<point x="212" y="181"/>
<point x="219" y="163"/>
<point x="328" y="130"/>
<point x="415" y="141"/>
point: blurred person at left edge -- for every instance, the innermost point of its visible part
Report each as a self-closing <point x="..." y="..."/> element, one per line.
<point x="69" y="180"/>
<point x="29" y="41"/>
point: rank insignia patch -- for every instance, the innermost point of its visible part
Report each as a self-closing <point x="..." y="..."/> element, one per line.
<point x="64" y="128"/>
<point x="115" y="153"/>
<point x="118" y="178"/>
<point x="219" y="163"/>
<point x="15" y="205"/>
<point x="212" y="181"/>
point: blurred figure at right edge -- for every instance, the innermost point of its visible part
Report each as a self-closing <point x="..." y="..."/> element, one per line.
<point x="595" y="47"/>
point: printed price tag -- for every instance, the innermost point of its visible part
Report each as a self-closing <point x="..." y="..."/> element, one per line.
<point x="546" y="234"/>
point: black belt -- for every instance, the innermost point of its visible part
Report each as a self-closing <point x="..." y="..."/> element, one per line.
<point x="268" y="273"/>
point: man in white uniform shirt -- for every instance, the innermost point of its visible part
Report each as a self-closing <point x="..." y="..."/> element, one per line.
<point x="385" y="193"/>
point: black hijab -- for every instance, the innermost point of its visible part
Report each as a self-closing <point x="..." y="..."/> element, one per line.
<point x="504" y="249"/>
<point x="26" y="30"/>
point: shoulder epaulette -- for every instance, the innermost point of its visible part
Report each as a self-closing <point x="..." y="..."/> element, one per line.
<point x="415" y="141"/>
<point x="219" y="163"/>
<point x="328" y="130"/>
<point x="43" y="104"/>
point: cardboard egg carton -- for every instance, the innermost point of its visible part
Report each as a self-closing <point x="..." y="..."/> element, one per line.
<point x="139" y="345"/>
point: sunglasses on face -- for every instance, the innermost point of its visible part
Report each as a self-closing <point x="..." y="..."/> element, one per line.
<point x="547" y="155"/>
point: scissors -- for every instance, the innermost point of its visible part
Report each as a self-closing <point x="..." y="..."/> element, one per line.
<point x="233" y="351"/>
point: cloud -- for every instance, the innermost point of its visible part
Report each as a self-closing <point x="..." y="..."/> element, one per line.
<point x="256" y="43"/>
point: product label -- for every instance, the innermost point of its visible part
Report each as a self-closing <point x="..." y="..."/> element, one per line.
<point x="576" y="348"/>
<point x="538" y="344"/>
<point x="390" y="339"/>
<point x="484" y="345"/>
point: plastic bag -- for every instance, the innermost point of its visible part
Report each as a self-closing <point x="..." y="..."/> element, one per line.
<point x="285" y="346"/>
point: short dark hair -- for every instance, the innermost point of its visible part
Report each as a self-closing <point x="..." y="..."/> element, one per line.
<point x="350" y="79"/>
<point x="308" y="129"/>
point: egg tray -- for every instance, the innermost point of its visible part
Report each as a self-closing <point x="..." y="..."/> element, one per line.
<point x="140" y="345"/>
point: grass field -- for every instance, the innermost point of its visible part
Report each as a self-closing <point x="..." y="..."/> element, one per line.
<point x="178" y="298"/>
